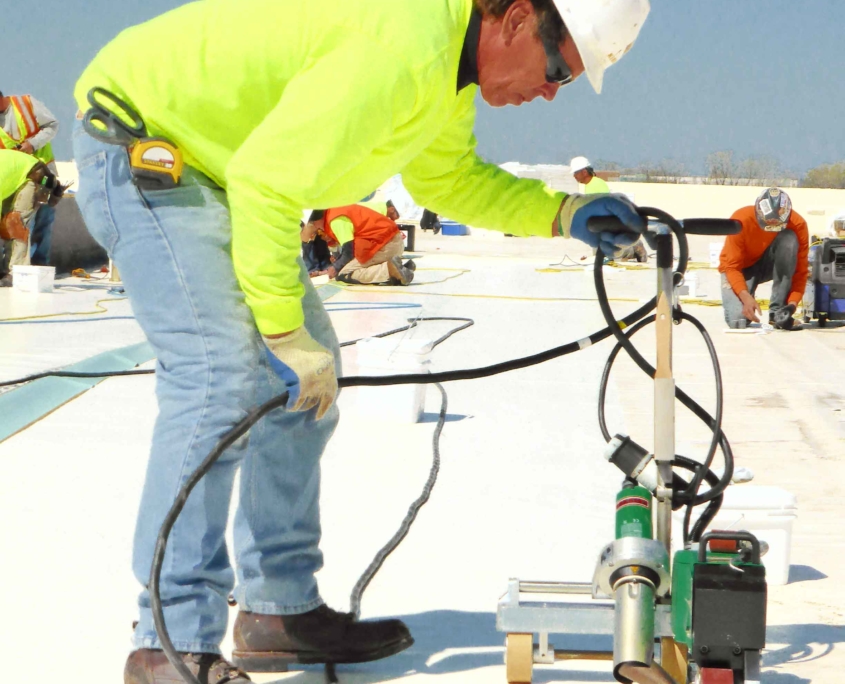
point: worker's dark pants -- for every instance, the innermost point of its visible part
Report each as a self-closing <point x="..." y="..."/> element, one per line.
<point x="42" y="235"/>
<point x="777" y="264"/>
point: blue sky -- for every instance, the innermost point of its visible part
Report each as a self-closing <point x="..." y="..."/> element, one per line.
<point x="759" y="77"/>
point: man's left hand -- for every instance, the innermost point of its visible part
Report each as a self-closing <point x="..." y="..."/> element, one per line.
<point x="332" y="271"/>
<point x="26" y="146"/>
<point x="577" y="209"/>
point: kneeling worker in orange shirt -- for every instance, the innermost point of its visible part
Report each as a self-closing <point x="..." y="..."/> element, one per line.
<point x="371" y="245"/>
<point x="772" y="246"/>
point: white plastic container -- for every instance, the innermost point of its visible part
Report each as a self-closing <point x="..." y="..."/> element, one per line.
<point x="715" y="253"/>
<point x="690" y="286"/>
<point x="767" y="512"/>
<point x="33" y="278"/>
<point x="391" y="356"/>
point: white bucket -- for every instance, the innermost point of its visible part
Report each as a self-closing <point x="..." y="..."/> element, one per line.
<point x="33" y="278"/>
<point x="386" y="356"/>
<point x="690" y="286"/>
<point x="766" y="512"/>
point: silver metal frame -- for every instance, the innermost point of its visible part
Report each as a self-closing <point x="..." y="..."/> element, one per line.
<point x="594" y="618"/>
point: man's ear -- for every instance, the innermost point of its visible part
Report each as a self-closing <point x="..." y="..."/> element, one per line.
<point x="516" y="19"/>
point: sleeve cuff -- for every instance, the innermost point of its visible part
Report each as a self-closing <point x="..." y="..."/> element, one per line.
<point x="563" y="219"/>
<point x="278" y="315"/>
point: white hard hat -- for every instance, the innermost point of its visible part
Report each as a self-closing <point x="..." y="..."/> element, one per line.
<point x="603" y="31"/>
<point x="578" y="164"/>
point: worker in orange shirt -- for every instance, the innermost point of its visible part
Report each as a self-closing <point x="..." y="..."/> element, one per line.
<point x="772" y="246"/>
<point x="371" y="245"/>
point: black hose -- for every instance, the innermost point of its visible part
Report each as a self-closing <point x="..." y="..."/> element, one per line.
<point x="368" y="574"/>
<point x="719" y="437"/>
<point x="74" y="374"/>
<point x="713" y="505"/>
<point x="680" y="495"/>
<point x="690" y="494"/>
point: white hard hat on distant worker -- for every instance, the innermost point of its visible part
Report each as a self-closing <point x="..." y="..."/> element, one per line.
<point x="578" y="164"/>
<point x="603" y="31"/>
<point x="773" y="208"/>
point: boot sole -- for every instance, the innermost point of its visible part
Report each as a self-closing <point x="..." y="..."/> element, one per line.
<point x="278" y="661"/>
<point x="396" y="273"/>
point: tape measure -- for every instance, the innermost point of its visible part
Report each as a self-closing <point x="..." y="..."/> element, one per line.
<point x="156" y="163"/>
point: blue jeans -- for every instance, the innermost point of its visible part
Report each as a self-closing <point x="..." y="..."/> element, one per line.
<point x="172" y="248"/>
<point x="42" y="235"/>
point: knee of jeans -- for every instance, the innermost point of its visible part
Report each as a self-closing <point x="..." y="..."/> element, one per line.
<point x="788" y="241"/>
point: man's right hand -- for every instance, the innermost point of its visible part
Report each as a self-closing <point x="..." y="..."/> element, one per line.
<point x="307" y="368"/>
<point x="750" y="307"/>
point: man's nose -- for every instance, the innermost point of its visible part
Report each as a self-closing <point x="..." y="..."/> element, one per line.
<point x="549" y="90"/>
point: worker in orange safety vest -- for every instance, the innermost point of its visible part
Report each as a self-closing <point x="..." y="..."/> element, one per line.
<point x="371" y="245"/>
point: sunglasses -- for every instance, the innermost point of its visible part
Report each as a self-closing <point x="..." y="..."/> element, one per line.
<point x="557" y="70"/>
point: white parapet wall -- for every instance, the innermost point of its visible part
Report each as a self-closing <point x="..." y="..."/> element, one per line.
<point x="817" y="206"/>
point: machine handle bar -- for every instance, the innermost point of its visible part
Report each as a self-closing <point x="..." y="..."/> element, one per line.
<point x="711" y="226"/>
<point x="729" y="536"/>
<point x="692" y="226"/>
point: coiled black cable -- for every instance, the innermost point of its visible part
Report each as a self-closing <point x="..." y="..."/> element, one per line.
<point x="689" y="495"/>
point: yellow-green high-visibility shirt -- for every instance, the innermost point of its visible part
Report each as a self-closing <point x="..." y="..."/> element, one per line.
<point x="289" y="104"/>
<point x="14" y="169"/>
<point x="596" y="186"/>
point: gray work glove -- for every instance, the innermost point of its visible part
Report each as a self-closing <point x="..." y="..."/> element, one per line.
<point x="307" y="368"/>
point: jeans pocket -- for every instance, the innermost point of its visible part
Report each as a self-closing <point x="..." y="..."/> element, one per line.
<point x="182" y="196"/>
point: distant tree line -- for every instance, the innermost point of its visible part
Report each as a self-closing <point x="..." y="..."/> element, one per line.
<point x="825" y="176"/>
<point x="724" y="168"/>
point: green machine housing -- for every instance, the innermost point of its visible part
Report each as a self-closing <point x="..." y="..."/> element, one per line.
<point x="711" y="590"/>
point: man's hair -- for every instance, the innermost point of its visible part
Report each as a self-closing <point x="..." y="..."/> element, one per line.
<point x="590" y="170"/>
<point x="316" y="215"/>
<point x="550" y="27"/>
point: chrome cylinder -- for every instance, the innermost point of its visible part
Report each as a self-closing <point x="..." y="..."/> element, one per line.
<point x="633" y="635"/>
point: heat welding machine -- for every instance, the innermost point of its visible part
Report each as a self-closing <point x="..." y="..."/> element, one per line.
<point x="824" y="297"/>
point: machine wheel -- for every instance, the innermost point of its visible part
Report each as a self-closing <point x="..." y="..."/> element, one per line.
<point x="822" y="320"/>
<point x="519" y="658"/>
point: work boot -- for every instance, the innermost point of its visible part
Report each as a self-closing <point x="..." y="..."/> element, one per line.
<point x="410" y="265"/>
<point x="149" y="666"/>
<point x="269" y="643"/>
<point x="399" y="275"/>
<point x="640" y="252"/>
<point x="782" y="318"/>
